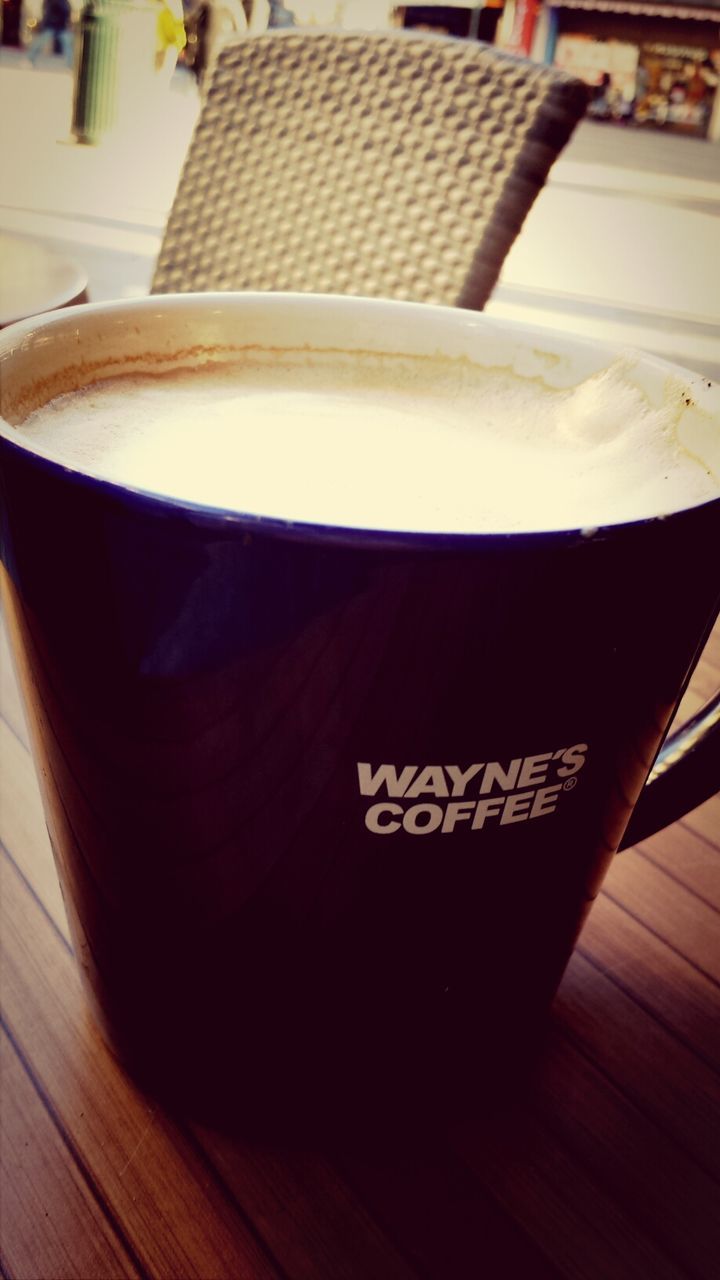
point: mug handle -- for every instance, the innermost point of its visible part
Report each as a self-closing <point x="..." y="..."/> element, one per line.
<point x="685" y="774"/>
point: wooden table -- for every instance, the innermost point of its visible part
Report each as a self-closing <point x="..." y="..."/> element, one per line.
<point x="605" y="1167"/>
<point x="34" y="279"/>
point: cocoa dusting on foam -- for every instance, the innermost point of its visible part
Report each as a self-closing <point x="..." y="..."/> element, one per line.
<point x="380" y="441"/>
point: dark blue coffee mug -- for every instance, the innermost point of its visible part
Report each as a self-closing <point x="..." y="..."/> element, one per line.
<point x="322" y="799"/>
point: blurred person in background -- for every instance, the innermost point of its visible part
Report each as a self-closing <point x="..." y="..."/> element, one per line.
<point x="702" y="85"/>
<point x="54" y="34"/>
<point x="208" y="22"/>
<point x="280" y="16"/>
<point x="599" y="105"/>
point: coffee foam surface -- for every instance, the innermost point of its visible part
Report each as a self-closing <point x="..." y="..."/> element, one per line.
<point x="381" y="442"/>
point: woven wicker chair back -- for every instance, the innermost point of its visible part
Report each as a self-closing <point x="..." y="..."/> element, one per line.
<point x="397" y="165"/>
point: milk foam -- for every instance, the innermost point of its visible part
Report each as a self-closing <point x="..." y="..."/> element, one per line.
<point x="381" y="442"/>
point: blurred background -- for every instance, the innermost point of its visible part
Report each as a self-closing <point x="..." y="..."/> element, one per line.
<point x="98" y="103"/>
<point x="649" y="62"/>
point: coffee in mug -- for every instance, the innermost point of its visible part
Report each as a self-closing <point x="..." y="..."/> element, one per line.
<point x="383" y="441"/>
<point x="349" y="633"/>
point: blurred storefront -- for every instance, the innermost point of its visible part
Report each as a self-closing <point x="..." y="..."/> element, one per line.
<point x="654" y="82"/>
<point x="654" y="63"/>
<point x="650" y="62"/>
<point x="678" y="88"/>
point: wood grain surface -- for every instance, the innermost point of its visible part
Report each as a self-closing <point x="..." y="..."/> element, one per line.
<point x="604" y="1166"/>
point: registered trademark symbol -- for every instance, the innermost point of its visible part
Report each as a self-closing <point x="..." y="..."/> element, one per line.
<point x="568" y="786"/>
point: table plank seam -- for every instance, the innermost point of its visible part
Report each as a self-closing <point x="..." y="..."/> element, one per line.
<point x="27" y="885"/>
<point x="178" y="1185"/>
<point x="605" y="1183"/>
<point x="632" y="1101"/>
<point x="229" y="1196"/>
<point x="76" y="780"/>
<point x="77" y="843"/>
<point x="661" y="938"/>
<point x="214" y="1173"/>
<point x="529" y="1243"/>
<point x="711" y="844"/>
<point x="410" y="1261"/>
<point x="642" y="1224"/>
<point x="15" y="733"/>
<point x="585" y="1214"/>
<point x="80" y="1164"/>
<point x="27" y="750"/>
<point x="647" y="1009"/>
<point x="646" y="855"/>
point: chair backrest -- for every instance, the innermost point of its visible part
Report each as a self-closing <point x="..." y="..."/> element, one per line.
<point x="394" y="164"/>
